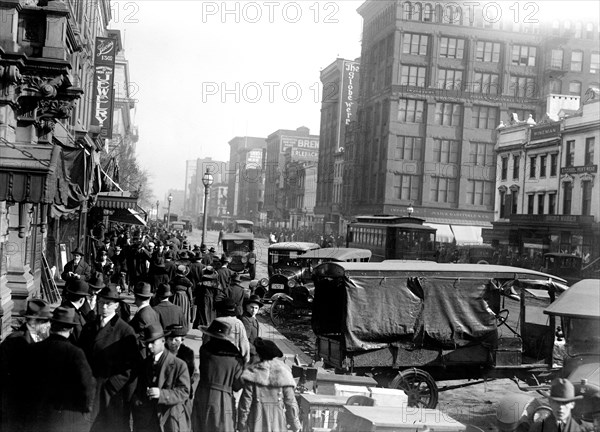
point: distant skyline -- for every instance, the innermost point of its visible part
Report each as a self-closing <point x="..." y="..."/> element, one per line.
<point x="204" y="72"/>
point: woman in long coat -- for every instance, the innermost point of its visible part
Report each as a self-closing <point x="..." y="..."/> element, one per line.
<point x="221" y="367"/>
<point x="207" y="293"/>
<point x="268" y="402"/>
<point x="182" y="292"/>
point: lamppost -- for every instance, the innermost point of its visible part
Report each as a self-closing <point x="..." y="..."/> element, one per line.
<point x="207" y="181"/>
<point x="157" y="203"/>
<point x="170" y="199"/>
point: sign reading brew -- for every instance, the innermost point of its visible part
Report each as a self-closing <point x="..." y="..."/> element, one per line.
<point x="579" y="169"/>
<point x="348" y="95"/>
<point x="550" y="130"/>
<point x="104" y="77"/>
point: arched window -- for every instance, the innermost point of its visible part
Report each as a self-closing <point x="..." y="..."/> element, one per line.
<point x="567" y="26"/>
<point x="555" y="27"/>
<point x="428" y="13"/>
<point x="589" y="30"/>
<point x="416" y="12"/>
<point x="407" y="12"/>
<point x="578" y="30"/>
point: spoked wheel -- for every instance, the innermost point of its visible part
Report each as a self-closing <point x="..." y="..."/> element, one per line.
<point x="281" y="310"/>
<point x="419" y="386"/>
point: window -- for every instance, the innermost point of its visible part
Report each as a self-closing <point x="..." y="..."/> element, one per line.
<point x="482" y="154"/>
<point x="452" y="48"/>
<point x="448" y="114"/>
<point x="479" y="192"/>
<point x="416" y="44"/>
<point x="541" y="202"/>
<point x="445" y="151"/>
<point x="567" y="197"/>
<point x="589" y="31"/>
<point x="594" y="62"/>
<point x="586" y="198"/>
<point x="522" y="114"/>
<point x="487" y="52"/>
<point x="523" y="55"/>
<point x="530" y="203"/>
<point x="485" y="83"/>
<point x="407" y="187"/>
<point x="578" y="30"/>
<point x="451" y="14"/>
<point x="521" y="86"/>
<point x="515" y="202"/>
<point x="504" y="169"/>
<point x="484" y="117"/>
<point x="516" y="163"/>
<point x="428" y="15"/>
<point x="575" y="87"/>
<point x="556" y="27"/>
<point x="413" y="76"/>
<point x="502" y="204"/>
<point x="443" y="190"/>
<point x="410" y="111"/>
<point x="532" y="163"/>
<point x="576" y="61"/>
<point x="408" y="148"/>
<point x="555" y="86"/>
<point x="412" y="11"/>
<point x="553" y="165"/>
<point x="570" y="154"/>
<point x="543" y="165"/>
<point x="556" y="59"/>
<point x="552" y="203"/>
<point x="450" y="79"/>
<point x="590" y="143"/>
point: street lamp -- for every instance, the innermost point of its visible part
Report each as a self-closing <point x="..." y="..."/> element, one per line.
<point x="170" y="199"/>
<point x="207" y="181"/>
<point x="157" y="203"/>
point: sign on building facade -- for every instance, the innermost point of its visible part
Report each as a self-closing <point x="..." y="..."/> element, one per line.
<point x="103" y="93"/>
<point x="348" y="97"/>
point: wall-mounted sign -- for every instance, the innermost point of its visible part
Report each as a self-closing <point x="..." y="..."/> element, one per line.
<point x="579" y="169"/>
<point x="348" y="96"/>
<point x="103" y="93"/>
<point x="302" y="148"/>
<point x="549" y="130"/>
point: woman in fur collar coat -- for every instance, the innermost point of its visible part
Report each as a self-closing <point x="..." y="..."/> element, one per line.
<point x="268" y="402"/>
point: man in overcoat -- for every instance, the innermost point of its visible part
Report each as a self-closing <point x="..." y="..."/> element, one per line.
<point x="62" y="386"/>
<point x="145" y="315"/>
<point x="162" y="389"/>
<point x="76" y="297"/>
<point x="562" y="401"/>
<point x="77" y="268"/>
<point x="111" y="348"/>
<point x="236" y="293"/>
<point x="168" y="313"/>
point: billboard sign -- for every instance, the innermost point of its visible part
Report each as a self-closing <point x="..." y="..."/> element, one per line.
<point x="302" y="148"/>
<point x="348" y="97"/>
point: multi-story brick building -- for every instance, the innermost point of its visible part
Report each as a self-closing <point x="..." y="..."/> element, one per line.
<point x="193" y="205"/>
<point x="436" y="81"/>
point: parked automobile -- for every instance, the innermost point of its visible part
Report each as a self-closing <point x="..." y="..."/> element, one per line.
<point x="239" y="249"/>
<point x="567" y="266"/>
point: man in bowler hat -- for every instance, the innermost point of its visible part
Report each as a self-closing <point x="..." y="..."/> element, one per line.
<point x="76" y="298"/>
<point x="562" y="401"/>
<point x="110" y="346"/>
<point x="63" y="381"/>
<point x="168" y="313"/>
<point x="145" y="315"/>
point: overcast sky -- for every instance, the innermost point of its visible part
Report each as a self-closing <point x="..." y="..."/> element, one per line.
<point x="204" y="72"/>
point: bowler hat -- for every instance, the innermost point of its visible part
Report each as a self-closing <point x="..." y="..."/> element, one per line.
<point x="153" y="332"/>
<point x="253" y="299"/>
<point x="183" y="255"/>
<point x="77" y="251"/>
<point x="266" y="349"/>
<point x="203" y="247"/>
<point x="563" y="391"/>
<point x="218" y="330"/>
<point x="37" y="308"/>
<point x="142" y="289"/>
<point x="96" y="283"/>
<point x="64" y="316"/>
<point x="176" y="330"/>
<point x="110" y="293"/>
<point x="163" y="291"/>
<point x="78" y="287"/>
<point x="226" y="305"/>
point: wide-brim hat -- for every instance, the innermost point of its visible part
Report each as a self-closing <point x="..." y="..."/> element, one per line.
<point x="182" y="270"/>
<point x="77" y="251"/>
<point x="96" y="283"/>
<point x="78" y="288"/>
<point x="226" y="305"/>
<point x="163" y="291"/>
<point x="37" y="308"/>
<point x="218" y="330"/>
<point x="142" y="289"/>
<point x="563" y="391"/>
<point x="153" y="332"/>
<point x="183" y="255"/>
<point x="253" y="299"/>
<point x="212" y="249"/>
<point x="110" y="293"/>
<point x="266" y="349"/>
<point x="64" y="316"/>
<point x="176" y="330"/>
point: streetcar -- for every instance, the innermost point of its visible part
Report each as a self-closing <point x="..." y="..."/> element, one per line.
<point x="393" y="237"/>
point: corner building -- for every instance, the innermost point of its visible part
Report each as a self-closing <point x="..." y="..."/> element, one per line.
<point x="436" y="81"/>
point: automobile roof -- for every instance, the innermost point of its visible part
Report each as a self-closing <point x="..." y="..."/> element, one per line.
<point x="558" y="254"/>
<point x="582" y="300"/>
<point x="341" y="254"/>
<point x="243" y="221"/>
<point x="424" y="268"/>
<point x="299" y="246"/>
<point x="238" y="236"/>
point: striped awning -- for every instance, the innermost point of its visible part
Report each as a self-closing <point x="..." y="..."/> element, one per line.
<point x="116" y="200"/>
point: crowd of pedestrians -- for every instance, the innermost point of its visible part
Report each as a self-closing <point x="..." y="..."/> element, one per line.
<point x="99" y="363"/>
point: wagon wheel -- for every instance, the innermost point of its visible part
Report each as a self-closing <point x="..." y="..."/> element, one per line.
<point x="280" y="311"/>
<point x="419" y="386"/>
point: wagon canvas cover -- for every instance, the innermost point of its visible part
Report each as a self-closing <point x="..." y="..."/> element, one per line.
<point x="418" y="312"/>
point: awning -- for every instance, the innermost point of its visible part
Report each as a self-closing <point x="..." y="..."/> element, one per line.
<point x="116" y="200"/>
<point x="467" y="235"/>
<point x="127" y="216"/>
<point x="443" y="234"/>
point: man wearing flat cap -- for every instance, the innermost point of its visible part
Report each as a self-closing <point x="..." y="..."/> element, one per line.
<point x="13" y="355"/>
<point x="63" y="381"/>
<point x="77" y="268"/>
<point x="162" y="390"/>
<point x="562" y="400"/>
<point x="110" y="346"/>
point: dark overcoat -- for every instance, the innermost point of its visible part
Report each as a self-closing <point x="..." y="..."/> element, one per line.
<point x="252" y="331"/>
<point x="549" y="425"/>
<point x="167" y="414"/>
<point x="79" y="319"/>
<point x="170" y="314"/>
<point x="236" y="293"/>
<point x="83" y="269"/>
<point x="142" y="319"/>
<point x="64" y="387"/>
<point x="195" y="274"/>
<point x="113" y="354"/>
<point x="221" y="367"/>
